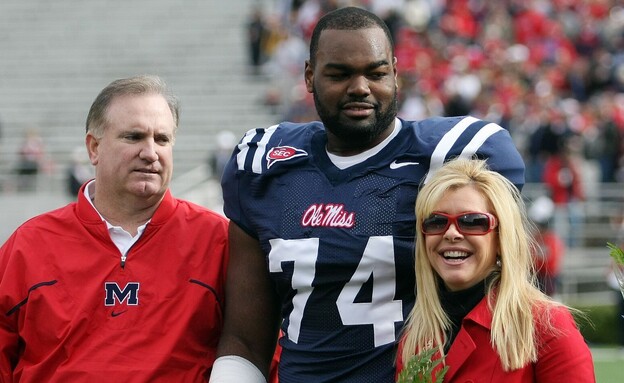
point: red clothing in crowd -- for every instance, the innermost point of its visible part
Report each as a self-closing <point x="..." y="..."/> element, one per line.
<point x="548" y="260"/>
<point x="563" y="179"/>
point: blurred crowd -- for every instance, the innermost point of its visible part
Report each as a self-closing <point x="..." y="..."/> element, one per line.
<point x="551" y="72"/>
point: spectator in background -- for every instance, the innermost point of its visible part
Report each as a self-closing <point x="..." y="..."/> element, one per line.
<point x="225" y="141"/>
<point x="79" y="171"/>
<point x="546" y="141"/>
<point x="550" y="248"/>
<point x="256" y="34"/>
<point x="126" y="283"/>
<point x="30" y="160"/>
<point x="285" y="64"/>
<point x="606" y="140"/>
<point x="390" y="12"/>
<point x="563" y="179"/>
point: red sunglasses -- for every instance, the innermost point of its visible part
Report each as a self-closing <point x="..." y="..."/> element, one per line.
<point x="471" y="223"/>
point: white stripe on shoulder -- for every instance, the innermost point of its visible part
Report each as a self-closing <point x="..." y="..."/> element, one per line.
<point x="483" y="134"/>
<point x="446" y="143"/>
<point x="244" y="148"/>
<point x="256" y="165"/>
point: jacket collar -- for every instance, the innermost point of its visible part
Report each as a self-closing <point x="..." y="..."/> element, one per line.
<point x="464" y="344"/>
<point x="89" y="216"/>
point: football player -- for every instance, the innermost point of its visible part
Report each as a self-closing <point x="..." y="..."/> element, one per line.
<point x="322" y="215"/>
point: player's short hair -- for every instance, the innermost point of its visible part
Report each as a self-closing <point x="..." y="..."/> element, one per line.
<point x="347" y="18"/>
<point x="138" y="85"/>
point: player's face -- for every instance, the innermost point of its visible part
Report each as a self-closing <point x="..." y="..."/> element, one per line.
<point x="354" y="85"/>
<point x="462" y="260"/>
<point x="135" y="154"/>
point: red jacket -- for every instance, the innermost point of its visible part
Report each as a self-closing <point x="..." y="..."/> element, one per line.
<point x="548" y="263"/>
<point x="71" y="313"/>
<point x="561" y="358"/>
<point x="563" y="179"/>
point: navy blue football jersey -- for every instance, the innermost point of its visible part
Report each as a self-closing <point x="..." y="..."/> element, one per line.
<point x="339" y="243"/>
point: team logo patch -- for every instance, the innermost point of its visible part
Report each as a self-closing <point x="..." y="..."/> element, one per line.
<point x="115" y="294"/>
<point x="328" y="215"/>
<point x="283" y="153"/>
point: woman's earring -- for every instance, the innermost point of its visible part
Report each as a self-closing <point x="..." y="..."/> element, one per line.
<point x="499" y="263"/>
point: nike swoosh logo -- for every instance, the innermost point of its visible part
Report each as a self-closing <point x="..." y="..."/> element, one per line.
<point x="115" y="314"/>
<point x="396" y="165"/>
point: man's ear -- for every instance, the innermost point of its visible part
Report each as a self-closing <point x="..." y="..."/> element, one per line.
<point x="92" y="148"/>
<point x="308" y="73"/>
<point x="394" y="68"/>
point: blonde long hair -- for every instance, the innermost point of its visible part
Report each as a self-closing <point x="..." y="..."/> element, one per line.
<point x="512" y="293"/>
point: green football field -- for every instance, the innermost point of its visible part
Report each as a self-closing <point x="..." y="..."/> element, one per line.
<point x="609" y="365"/>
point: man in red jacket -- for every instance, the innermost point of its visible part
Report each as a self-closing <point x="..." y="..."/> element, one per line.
<point x="126" y="283"/>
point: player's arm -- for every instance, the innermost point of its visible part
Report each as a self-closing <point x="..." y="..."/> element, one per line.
<point x="251" y="314"/>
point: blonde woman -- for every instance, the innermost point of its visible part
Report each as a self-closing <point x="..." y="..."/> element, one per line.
<point x="476" y="300"/>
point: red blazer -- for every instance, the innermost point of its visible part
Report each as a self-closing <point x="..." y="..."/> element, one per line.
<point x="562" y="357"/>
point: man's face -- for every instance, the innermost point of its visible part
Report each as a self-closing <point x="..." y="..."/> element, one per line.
<point x="354" y="85"/>
<point x="134" y="157"/>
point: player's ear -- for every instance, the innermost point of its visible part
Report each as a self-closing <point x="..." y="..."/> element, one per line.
<point x="308" y="73"/>
<point x="394" y="69"/>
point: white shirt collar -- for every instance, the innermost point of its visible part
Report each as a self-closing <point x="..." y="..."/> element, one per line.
<point x="348" y="161"/>
<point x="120" y="237"/>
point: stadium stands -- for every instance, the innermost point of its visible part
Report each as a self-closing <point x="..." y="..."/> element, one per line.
<point x="56" y="56"/>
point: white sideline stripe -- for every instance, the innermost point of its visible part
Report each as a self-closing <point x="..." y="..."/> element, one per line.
<point x="607" y="354"/>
